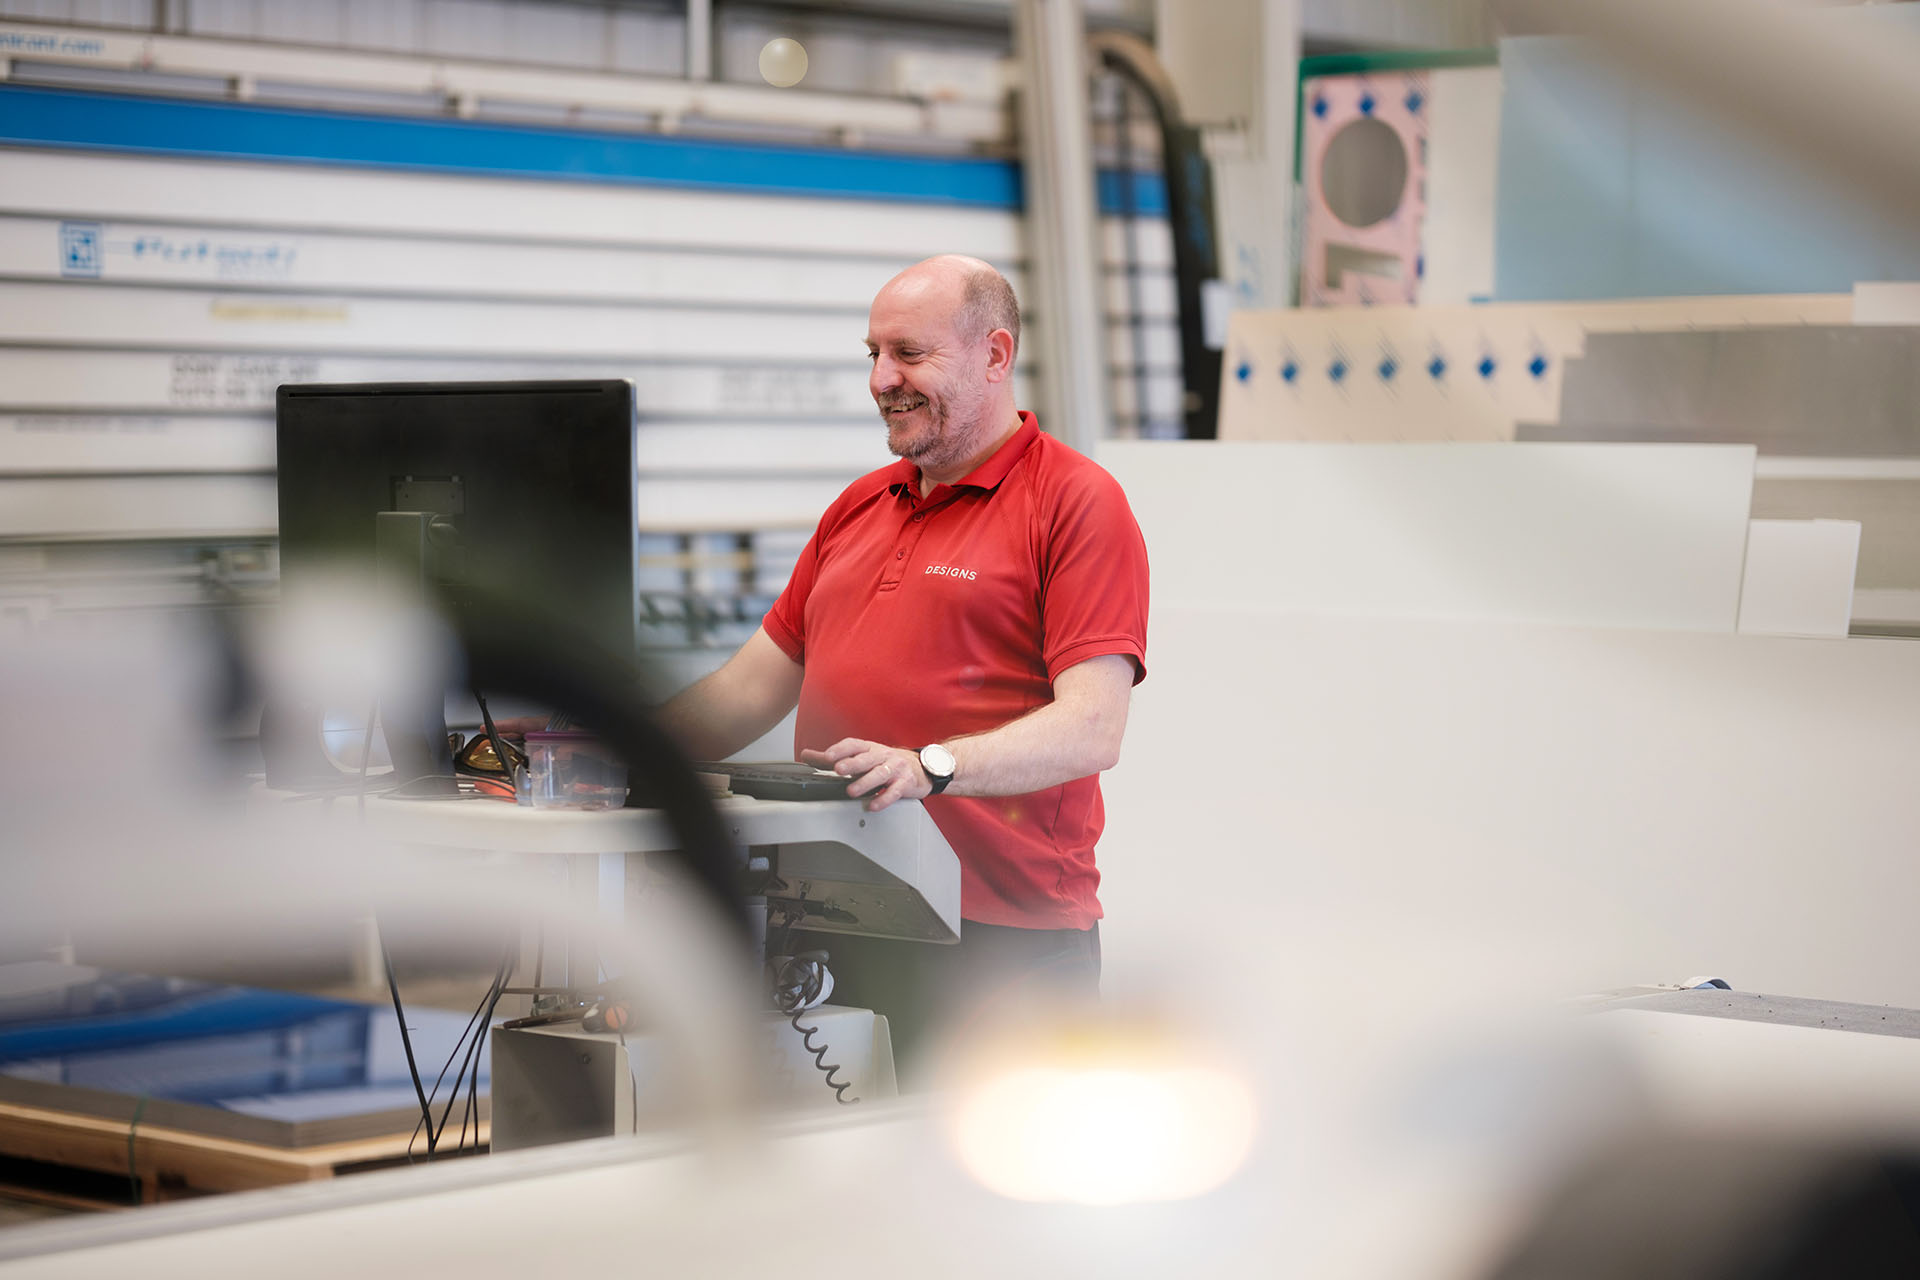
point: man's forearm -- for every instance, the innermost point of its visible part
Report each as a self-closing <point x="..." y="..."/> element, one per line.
<point x="723" y="712"/>
<point x="1049" y="745"/>
<point x="1075" y="735"/>
<point x="696" y="719"/>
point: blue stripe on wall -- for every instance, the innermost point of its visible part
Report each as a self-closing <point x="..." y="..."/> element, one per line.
<point x="233" y="131"/>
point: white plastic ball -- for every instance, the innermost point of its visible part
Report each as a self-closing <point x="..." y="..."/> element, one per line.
<point x="783" y="63"/>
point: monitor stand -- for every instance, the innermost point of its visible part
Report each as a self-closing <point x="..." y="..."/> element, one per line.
<point x="413" y="719"/>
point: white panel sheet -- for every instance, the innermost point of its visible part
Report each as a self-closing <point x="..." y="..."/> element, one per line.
<point x="1463" y="152"/>
<point x="1799" y="577"/>
<point x="136" y="507"/>
<point x="1424" y="808"/>
<point x="68" y="443"/>
<point x="1883" y="302"/>
<point x="1598" y="535"/>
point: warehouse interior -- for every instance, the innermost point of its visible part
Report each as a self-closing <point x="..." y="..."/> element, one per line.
<point x="1508" y="868"/>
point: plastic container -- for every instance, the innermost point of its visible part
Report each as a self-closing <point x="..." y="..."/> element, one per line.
<point x="568" y="770"/>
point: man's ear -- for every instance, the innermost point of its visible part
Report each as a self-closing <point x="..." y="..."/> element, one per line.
<point x="999" y="356"/>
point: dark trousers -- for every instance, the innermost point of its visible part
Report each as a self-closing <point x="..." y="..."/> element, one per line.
<point x="926" y="990"/>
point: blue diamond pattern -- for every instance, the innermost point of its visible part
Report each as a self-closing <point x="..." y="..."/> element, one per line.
<point x="1367" y="104"/>
<point x="1320" y="108"/>
<point x="1387" y="369"/>
<point x="1537" y="366"/>
<point x="1243" y="371"/>
<point x="1415" y="102"/>
<point x="1436" y="368"/>
<point x="1289" y="371"/>
<point x="1487" y="366"/>
<point x="1337" y="370"/>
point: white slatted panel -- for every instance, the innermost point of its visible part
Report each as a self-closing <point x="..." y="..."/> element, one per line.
<point x="136" y="398"/>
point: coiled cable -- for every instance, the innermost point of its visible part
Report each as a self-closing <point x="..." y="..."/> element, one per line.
<point x="799" y="983"/>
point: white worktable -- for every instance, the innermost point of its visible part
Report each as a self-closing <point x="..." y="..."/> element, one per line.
<point x="601" y="852"/>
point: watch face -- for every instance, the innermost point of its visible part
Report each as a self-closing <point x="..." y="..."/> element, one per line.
<point x="937" y="761"/>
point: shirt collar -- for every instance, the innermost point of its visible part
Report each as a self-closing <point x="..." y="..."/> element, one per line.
<point x="904" y="476"/>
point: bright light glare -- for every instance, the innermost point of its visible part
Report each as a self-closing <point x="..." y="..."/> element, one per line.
<point x="1105" y="1135"/>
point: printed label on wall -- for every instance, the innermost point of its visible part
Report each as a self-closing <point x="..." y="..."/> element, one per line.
<point x="80" y="249"/>
<point x="93" y="249"/>
<point x="235" y="382"/>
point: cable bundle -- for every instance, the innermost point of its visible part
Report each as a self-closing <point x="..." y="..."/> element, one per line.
<point x="469" y="1070"/>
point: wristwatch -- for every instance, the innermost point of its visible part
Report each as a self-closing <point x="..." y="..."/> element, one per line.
<point x="939" y="764"/>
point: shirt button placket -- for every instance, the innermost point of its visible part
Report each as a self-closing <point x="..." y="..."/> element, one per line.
<point x="909" y="534"/>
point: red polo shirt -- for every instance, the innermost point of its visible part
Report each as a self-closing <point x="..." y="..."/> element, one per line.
<point x="922" y="619"/>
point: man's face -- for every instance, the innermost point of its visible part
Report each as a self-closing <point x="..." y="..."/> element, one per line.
<point x="929" y="382"/>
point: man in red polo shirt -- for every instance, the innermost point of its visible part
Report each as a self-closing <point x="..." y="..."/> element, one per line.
<point x="965" y="628"/>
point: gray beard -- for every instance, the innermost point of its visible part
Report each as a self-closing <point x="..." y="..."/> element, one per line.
<point x="937" y="415"/>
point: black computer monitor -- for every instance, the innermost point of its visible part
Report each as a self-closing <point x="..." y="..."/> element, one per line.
<point x="486" y="494"/>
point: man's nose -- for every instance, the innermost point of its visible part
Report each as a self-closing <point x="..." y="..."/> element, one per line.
<point x="885" y="375"/>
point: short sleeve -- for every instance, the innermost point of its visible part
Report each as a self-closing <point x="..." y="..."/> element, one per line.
<point x="786" y="623"/>
<point x="1094" y="576"/>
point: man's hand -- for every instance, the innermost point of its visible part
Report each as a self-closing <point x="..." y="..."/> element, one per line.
<point x="881" y="773"/>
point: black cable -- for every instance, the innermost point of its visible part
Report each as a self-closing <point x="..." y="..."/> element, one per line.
<point x="633" y="1084"/>
<point x="473" y="1077"/>
<point x="500" y="976"/>
<point x="790" y="918"/>
<point x="366" y="750"/>
<point x="793" y="992"/>
<point x="471" y="1057"/>
<point x="470" y="1112"/>
<point x="406" y="1040"/>
<point x="826" y="1068"/>
<point x="435" y="1093"/>
<point x="460" y="1075"/>
<point x="493" y="736"/>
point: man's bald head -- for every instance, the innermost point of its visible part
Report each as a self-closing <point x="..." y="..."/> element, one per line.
<point x="941" y="336"/>
<point x="983" y="300"/>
